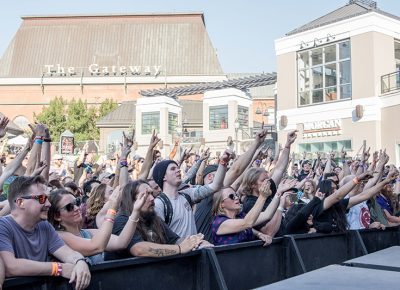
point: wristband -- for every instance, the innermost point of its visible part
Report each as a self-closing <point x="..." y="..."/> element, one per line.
<point x="59" y="269"/>
<point x="47" y="139"/>
<point x="356" y="180"/>
<point x="223" y="163"/>
<point x="132" y="220"/>
<point x="54" y="268"/>
<point x="111" y="211"/>
<point x="109" y="220"/>
<point x="123" y="164"/>
<point x="281" y="209"/>
<point x="38" y="141"/>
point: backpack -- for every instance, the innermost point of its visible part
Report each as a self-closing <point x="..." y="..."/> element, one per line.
<point x="168" y="210"/>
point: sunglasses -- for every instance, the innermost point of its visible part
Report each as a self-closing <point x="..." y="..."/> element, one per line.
<point x="71" y="206"/>
<point x="232" y="196"/>
<point x="41" y="198"/>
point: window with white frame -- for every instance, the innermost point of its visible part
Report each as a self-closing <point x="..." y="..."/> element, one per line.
<point x="150" y="122"/>
<point x="218" y="117"/>
<point x="324" y="74"/>
<point x="172" y="123"/>
<point x="243" y="116"/>
<point x="397" y="54"/>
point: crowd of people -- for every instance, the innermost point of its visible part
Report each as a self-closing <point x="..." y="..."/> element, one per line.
<point x="57" y="220"/>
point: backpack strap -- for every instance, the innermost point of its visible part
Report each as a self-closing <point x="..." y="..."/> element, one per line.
<point x="168" y="210"/>
<point x="188" y="198"/>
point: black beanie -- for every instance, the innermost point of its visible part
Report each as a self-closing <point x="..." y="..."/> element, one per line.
<point x="159" y="171"/>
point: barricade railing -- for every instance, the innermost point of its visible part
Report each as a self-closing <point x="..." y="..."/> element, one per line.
<point x="239" y="266"/>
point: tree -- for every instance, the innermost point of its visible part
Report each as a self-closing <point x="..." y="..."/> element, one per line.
<point x="106" y="107"/>
<point x="81" y="120"/>
<point x="54" y="116"/>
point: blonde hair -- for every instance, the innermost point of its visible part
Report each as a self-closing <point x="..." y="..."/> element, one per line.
<point x="250" y="179"/>
<point x="96" y="200"/>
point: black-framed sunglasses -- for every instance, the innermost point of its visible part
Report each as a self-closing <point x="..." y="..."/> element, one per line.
<point x="41" y="198"/>
<point x="71" y="206"/>
<point x="232" y="196"/>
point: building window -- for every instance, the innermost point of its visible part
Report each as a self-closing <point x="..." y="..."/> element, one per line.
<point x="324" y="74"/>
<point x="326" y="146"/>
<point x="243" y="117"/>
<point x="172" y="123"/>
<point x="150" y="122"/>
<point x="113" y="141"/>
<point x="218" y="117"/>
<point x="397" y="54"/>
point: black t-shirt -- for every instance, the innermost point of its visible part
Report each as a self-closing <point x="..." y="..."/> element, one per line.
<point x="203" y="217"/>
<point x="326" y="218"/>
<point x="119" y="224"/>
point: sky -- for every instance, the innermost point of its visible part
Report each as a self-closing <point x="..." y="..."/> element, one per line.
<point x="242" y="31"/>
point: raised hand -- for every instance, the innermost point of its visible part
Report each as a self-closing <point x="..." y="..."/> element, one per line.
<point x="154" y="140"/>
<point x="365" y="155"/>
<point x="320" y="194"/>
<point x="260" y="136"/>
<point x="227" y="155"/>
<point x="286" y="185"/>
<point x="3" y="124"/>
<point x="205" y="155"/>
<point x="265" y="188"/>
<point x="291" y="137"/>
<point x="186" y="153"/>
<point x="365" y="176"/>
<point x="343" y="153"/>
<point x="141" y="199"/>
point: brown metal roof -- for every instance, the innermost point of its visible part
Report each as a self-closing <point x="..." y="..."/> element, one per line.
<point x="123" y="116"/>
<point x="178" y="42"/>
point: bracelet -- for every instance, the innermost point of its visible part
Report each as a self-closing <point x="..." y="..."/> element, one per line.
<point x="80" y="259"/>
<point x="132" y="220"/>
<point x="397" y="179"/>
<point x="123" y="164"/>
<point x="47" y="139"/>
<point x="54" y="269"/>
<point x="38" y="141"/>
<point x="39" y="137"/>
<point x="223" y="163"/>
<point x="180" y="252"/>
<point x="356" y="180"/>
<point x="281" y="209"/>
<point x="111" y="211"/>
<point x="109" y="220"/>
<point x="59" y="269"/>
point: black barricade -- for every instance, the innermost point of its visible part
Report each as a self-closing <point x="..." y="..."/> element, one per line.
<point x="249" y="265"/>
<point x="375" y="240"/>
<point x="236" y="267"/>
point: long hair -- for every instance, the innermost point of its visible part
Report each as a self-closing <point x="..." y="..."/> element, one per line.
<point x="96" y="201"/>
<point x="337" y="210"/>
<point x="54" y="198"/>
<point x="250" y="179"/>
<point x="217" y="200"/>
<point x="146" y="224"/>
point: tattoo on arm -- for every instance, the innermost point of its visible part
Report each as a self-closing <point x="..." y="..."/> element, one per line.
<point x="162" y="252"/>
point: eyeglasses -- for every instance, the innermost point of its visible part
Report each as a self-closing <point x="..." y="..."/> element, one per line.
<point x="232" y="196"/>
<point x="41" y="198"/>
<point x="71" y="206"/>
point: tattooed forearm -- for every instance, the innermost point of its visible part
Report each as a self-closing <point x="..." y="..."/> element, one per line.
<point x="162" y="252"/>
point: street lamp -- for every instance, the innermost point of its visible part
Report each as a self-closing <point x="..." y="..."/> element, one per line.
<point x="237" y="125"/>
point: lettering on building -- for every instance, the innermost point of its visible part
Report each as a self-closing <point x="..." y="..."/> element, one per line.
<point x="322" y="128"/>
<point x="95" y="69"/>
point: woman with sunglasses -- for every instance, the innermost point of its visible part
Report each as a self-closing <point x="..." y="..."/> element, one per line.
<point x="230" y="225"/>
<point x="65" y="216"/>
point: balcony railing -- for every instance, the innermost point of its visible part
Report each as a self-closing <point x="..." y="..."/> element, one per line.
<point x="390" y="82"/>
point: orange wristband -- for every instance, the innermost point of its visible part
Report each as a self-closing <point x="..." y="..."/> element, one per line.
<point x="111" y="211"/>
<point x="54" y="268"/>
<point x="356" y="180"/>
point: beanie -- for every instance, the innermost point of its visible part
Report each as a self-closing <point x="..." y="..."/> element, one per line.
<point x="159" y="171"/>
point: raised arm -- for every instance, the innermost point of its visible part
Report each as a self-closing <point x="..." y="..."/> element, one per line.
<point x="345" y="189"/>
<point x="34" y="158"/>
<point x="282" y="163"/>
<point x="240" y="165"/>
<point x="148" y="160"/>
<point x="230" y="226"/>
<point x="123" y="162"/>
<point x="45" y="157"/>
<point x="172" y="154"/>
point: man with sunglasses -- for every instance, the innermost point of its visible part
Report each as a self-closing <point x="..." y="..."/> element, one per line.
<point x="27" y="239"/>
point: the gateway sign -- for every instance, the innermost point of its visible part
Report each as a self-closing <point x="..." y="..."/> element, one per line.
<point x="95" y="69"/>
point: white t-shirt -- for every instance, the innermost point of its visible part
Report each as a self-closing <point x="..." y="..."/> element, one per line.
<point x="359" y="216"/>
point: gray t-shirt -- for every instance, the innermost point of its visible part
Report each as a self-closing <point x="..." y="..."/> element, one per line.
<point x="35" y="245"/>
<point x="182" y="222"/>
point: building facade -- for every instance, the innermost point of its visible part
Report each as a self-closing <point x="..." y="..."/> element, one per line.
<point x="338" y="81"/>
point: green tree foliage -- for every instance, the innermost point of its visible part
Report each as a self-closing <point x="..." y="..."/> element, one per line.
<point x="54" y="116"/>
<point x="76" y="116"/>
<point x="106" y="107"/>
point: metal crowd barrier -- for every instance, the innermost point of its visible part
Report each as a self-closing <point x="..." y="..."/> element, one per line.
<point x="236" y="267"/>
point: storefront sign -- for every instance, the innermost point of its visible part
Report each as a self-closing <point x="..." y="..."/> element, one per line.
<point x="98" y="70"/>
<point x="67" y="145"/>
<point x="322" y="128"/>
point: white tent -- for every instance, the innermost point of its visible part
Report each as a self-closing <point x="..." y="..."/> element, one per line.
<point x="19" y="140"/>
